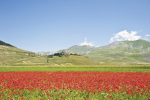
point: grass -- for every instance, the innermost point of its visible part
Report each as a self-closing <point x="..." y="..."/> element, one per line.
<point x="139" y="43"/>
<point x="18" y="57"/>
<point x="77" y="68"/>
<point x="11" y="55"/>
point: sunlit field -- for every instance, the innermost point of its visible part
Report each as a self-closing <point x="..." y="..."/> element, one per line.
<point x="133" y="68"/>
<point x="75" y="83"/>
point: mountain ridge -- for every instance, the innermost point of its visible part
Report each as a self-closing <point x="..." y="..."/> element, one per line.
<point x="143" y="44"/>
<point x="116" y="53"/>
<point x="12" y="56"/>
<point x="125" y="52"/>
<point x="6" y="44"/>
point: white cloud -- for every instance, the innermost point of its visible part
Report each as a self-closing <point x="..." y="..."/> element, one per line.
<point x="124" y="35"/>
<point x="111" y="40"/>
<point x="86" y="43"/>
<point x="146" y="37"/>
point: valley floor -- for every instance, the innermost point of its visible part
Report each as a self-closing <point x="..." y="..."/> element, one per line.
<point x="77" y="68"/>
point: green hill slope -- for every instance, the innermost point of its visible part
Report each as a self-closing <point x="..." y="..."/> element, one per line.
<point x="6" y="44"/>
<point x="10" y="55"/>
<point x="72" y="60"/>
<point x="82" y="50"/>
<point x="123" y="52"/>
<point x="139" y="43"/>
<point x="117" y="53"/>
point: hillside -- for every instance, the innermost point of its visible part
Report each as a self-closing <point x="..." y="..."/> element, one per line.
<point x="72" y="60"/>
<point x="123" y="52"/>
<point x="82" y="50"/>
<point x="6" y="44"/>
<point x="117" y="53"/>
<point x="10" y="55"/>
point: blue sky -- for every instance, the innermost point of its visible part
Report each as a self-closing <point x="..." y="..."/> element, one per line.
<point x="51" y="25"/>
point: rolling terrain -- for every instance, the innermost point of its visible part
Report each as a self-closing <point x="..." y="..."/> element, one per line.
<point x="10" y="55"/>
<point x="117" y="53"/>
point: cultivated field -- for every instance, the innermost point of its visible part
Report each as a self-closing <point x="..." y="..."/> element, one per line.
<point x="111" y="68"/>
<point x="75" y="83"/>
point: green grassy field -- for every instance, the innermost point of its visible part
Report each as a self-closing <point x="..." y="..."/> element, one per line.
<point x="77" y="68"/>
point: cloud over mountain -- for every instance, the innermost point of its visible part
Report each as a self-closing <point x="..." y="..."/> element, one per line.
<point x="146" y="37"/>
<point x="124" y="35"/>
<point x="86" y="43"/>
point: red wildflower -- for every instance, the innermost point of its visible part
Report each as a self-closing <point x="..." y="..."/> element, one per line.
<point x="142" y="93"/>
<point x="19" y="93"/>
<point x="111" y="96"/>
<point x="131" y="82"/>
<point x="10" y="95"/>
<point x="22" y="98"/>
<point x="15" y="92"/>
<point x="46" y="91"/>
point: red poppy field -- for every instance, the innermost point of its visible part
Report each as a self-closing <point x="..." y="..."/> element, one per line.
<point x="74" y="85"/>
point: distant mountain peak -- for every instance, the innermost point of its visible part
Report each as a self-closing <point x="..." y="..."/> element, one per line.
<point x="87" y="46"/>
<point x="85" y="43"/>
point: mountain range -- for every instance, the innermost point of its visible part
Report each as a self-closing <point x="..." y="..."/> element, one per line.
<point x="12" y="56"/>
<point x="117" y="53"/>
<point x="120" y="52"/>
